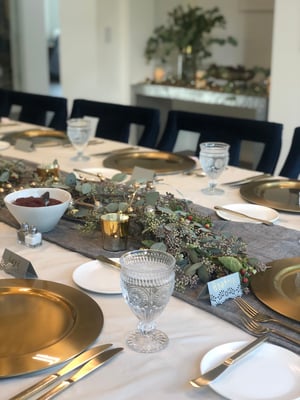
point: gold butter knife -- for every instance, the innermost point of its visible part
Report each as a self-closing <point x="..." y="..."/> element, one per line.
<point x="214" y="373"/>
<point x="108" y="261"/>
<point x="117" y="151"/>
<point x="263" y="221"/>
<point x="247" y="180"/>
<point x="89" y="367"/>
<point x="73" y="364"/>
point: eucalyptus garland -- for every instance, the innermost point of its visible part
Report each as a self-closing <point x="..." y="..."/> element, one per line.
<point x="156" y="221"/>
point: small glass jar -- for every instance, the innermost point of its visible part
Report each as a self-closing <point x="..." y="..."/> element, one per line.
<point x="33" y="238"/>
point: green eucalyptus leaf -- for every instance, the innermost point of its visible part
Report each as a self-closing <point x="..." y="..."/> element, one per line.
<point x="151" y="198"/>
<point x="86" y="188"/>
<point x="70" y="179"/>
<point x="148" y="243"/>
<point x="193" y="255"/>
<point x="165" y="210"/>
<point x="112" y="207"/>
<point x="123" y="206"/>
<point x="203" y="274"/>
<point x="4" y="176"/>
<point x="191" y="269"/>
<point x="159" y="246"/>
<point x="119" y="177"/>
<point x="231" y="263"/>
<point x="139" y="203"/>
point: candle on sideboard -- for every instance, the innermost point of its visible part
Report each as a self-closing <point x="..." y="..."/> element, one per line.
<point x="159" y="74"/>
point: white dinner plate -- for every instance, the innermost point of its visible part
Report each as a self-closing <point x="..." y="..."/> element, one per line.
<point x="253" y="210"/>
<point x="268" y="373"/>
<point x="106" y="172"/>
<point x="4" y="145"/>
<point x="98" y="277"/>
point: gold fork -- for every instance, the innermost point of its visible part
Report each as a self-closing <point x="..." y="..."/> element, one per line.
<point x="251" y="312"/>
<point x="259" y="330"/>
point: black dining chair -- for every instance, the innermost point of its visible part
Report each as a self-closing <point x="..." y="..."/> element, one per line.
<point x="226" y="129"/>
<point x="115" y="120"/>
<point x="291" y="166"/>
<point x="34" y="108"/>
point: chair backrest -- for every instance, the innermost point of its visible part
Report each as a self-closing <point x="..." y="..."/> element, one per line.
<point x="34" y="108"/>
<point x="291" y="166"/>
<point x="229" y="130"/>
<point x="115" y="120"/>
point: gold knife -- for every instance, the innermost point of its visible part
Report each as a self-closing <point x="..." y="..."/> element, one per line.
<point x="214" y="373"/>
<point x="89" y="367"/>
<point x="75" y="363"/>
<point x="107" y="260"/>
<point x="263" y="221"/>
<point x="247" y="180"/>
<point x="117" y="151"/>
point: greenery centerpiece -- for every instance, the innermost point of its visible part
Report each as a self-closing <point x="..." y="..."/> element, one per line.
<point x="188" y="35"/>
<point x="156" y="221"/>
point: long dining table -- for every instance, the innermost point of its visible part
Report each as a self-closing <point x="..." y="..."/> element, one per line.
<point x="192" y="331"/>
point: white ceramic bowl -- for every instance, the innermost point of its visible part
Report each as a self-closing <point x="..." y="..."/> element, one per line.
<point x="44" y="218"/>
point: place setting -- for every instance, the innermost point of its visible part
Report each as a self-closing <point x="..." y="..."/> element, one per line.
<point x="243" y="212"/>
<point x="262" y="366"/>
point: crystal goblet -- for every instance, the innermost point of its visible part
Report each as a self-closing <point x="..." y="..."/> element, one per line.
<point x="147" y="282"/>
<point x="214" y="158"/>
<point x="79" y="133"/>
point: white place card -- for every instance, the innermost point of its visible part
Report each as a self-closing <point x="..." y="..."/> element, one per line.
<point x="17" y="266"/>
<point x="222" y="289"/>
<point x="24" y="145"/>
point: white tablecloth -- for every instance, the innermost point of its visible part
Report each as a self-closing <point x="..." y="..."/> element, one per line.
<point x="192" y="332"/>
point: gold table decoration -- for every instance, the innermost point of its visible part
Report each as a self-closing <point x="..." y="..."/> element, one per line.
<point x="159" y="161"/>
<point x="114" y="228"/>
<point x="43" y="323"/>
<point x="279" y="287"/>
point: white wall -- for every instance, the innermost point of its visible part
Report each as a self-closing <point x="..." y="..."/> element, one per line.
<point x="111" y="36"/>
<point x="29" y="46"/>
<point x="101" y="46"/>
<point x="285" y="85"/>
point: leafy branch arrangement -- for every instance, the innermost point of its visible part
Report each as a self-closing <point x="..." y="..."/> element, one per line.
<point x="156" y="221"/>
<point x="187" y="31"/>
<point x="169" y="224"/>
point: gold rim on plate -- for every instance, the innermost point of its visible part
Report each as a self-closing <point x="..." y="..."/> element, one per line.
<point x="281" y="194"/>
<point x="159" y="161"/>
<point x="39" y="137"/>
<point x="43" y="323"/>
<point x="279" y="287"/>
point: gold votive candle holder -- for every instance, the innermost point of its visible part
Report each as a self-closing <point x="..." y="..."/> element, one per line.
<point x="46" y="171"/>
<point x="114" y="228"/>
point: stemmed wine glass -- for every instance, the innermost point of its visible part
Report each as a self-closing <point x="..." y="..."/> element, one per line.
<point x="79" y="132"/>
<point x="214" y="158"/>
<point x="147" y="282"/>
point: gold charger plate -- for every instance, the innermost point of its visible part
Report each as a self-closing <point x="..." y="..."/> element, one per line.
<point x="281" y="194"/>
<point x="160" y="162"/>
<point x="279" y="287"/>
<point x="39" y="137"/>
<point x="43" y="323"/>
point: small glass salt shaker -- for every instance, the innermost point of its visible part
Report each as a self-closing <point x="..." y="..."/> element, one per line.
<point x="33" y="237"/>
<point x="22" y="232"/>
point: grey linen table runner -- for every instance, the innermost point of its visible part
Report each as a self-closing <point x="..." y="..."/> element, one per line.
<point x="267" y="243"/>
